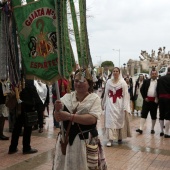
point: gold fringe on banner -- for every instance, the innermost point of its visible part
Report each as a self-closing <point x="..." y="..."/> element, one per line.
<point x="17" y="93"/>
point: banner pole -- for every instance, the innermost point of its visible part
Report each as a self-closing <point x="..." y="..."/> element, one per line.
<point x="58" y="98"/>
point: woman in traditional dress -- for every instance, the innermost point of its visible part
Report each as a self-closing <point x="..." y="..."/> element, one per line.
<point x="88" y="109"/>
<point x="117" y="108"/>
<point x="137" y="94"/>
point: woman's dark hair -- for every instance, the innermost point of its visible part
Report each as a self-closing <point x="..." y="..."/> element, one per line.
<point x="139" y="77"/>
<point x="116" y="68"/>
<point x="90" y="81"/>
<point x="126" y="78"/>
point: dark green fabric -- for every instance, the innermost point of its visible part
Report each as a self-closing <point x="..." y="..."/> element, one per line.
<point x="16" y="2"/>
<point x="65" y="53"/>
<point x="76" y="30"/>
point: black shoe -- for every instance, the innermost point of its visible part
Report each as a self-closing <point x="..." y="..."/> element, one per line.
<point x="2" y="137"/>
<point x="35" y="127"/>
<point x="152" y="132"/>
<point x="166" y="136"/>
<point x="31" y="151"/>
<point x="120" y="141"/>
<point x="12" y="151"/>
<point x="161" y="134"/>
<point x="140" y="131"/>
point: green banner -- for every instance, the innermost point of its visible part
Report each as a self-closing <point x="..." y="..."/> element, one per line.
<point x="66" y="57"/>
<point x="36" y="25"/>
<point x="85" y="48"/>
<point x="16" y="2"/>
<point x="76" y="31"/>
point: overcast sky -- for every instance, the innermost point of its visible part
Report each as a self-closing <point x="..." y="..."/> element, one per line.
<point x="128" y="25"/>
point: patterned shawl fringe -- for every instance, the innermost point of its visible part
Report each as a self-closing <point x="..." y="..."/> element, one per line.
<point x="13" y="60"/>
<point x="3" y="47"/>
<point x="9" y="61"/>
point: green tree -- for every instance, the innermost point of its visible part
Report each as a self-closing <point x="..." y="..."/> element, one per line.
<point x="107" y="64"/>
<point x="144" y="71"/>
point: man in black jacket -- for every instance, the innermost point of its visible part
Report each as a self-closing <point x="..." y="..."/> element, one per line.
<point x="163" y="90"/>
<point x="148" y="91"/>
<point x="28" y="97"/>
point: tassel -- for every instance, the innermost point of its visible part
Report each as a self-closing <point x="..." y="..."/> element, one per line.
<point x="20" y="87"/>
<point x="17" y="93"/>
<point x="23" y="84"/>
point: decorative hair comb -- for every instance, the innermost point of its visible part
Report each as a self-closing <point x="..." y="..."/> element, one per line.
<point x="84" y="73"/>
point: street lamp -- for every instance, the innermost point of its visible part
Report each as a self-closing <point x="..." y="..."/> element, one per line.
<point x="124" y="68"/>
<point x="124" y="65"/>
<point x="119" y="55"/>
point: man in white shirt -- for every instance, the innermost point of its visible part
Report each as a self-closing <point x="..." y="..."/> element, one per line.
<point x="150" y="101"/>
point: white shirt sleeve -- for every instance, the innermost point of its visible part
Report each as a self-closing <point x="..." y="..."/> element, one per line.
<point x="96" y="109"/>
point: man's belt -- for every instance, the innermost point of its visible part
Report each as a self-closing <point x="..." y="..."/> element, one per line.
<point x="167" y="96"/>
<point x="151" y="99"/>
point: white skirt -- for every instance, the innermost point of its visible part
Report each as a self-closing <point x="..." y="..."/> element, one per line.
<point x="75" y="157"/>
<point x="116" y="134"/>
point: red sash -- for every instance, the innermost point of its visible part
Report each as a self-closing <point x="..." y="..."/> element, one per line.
<point x="151" y="99"/>
<point x="167" y="96"/>
<point x="117" y="94"/>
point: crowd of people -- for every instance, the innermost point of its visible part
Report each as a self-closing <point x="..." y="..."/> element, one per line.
<point x="79" y="110"/>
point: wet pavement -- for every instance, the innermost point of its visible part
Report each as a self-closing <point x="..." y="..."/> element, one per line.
<point x="140" y="152"/>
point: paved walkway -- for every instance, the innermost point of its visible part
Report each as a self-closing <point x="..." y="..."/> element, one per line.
<point x="141" y="152"/>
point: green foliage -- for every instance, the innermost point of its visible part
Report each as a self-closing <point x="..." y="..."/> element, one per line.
<point x="107" y="64"/>
<point x="145" y="71"/>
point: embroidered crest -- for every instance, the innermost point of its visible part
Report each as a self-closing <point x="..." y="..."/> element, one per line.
<point x="44" y="43"/>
